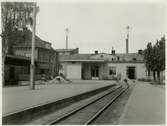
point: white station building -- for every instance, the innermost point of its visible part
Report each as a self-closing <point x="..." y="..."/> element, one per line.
<point x="103" y="66"/>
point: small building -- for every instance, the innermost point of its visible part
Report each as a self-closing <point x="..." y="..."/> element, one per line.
<point x="103" y="66"/>
<point x="45" y="61"/>
<point x="46" y="58"/>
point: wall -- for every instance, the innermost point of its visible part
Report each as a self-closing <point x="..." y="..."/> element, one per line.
<point x="71" y="70"/>
<point x="122" y="67"/>
<point x="87" y="71"/>
<point x="17" y="71"/>
<point x="25" y="52"/>
<point x="47" y="61"/>
<point x="103" y="68"/>
<point x="74" y="71"/>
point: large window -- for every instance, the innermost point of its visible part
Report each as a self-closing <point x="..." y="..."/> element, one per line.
<point x="112" y="70"/>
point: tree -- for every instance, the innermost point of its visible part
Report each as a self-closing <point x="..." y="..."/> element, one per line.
<point x="16" y="19"/>
<point x="148" y="57"/>
<point x="155" y="57"/>
<point x="160" y="56"/>
<point x="161" y="47"/>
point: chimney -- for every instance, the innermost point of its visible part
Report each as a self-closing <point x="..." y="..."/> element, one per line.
<point x="96" y="51"/>
<point x="140" y="51"/>
<point x="127" y="45"/>
<point x="77" y="50"/>
<point x="113" y="51"/>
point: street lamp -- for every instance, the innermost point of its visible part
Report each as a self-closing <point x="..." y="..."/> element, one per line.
<point x="127" y="28"/>
<point x="127" y="39"/>
<point x="67" y="31"/>
<point x="32" y="66"/>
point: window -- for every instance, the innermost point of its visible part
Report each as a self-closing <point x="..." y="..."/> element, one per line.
<point x="112" y="71"/>
<point x="42" y="71"/>
<point x="73" y="62"/>
<point x="134" y="59"/>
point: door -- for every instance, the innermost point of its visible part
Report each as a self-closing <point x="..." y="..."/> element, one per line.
<point x="131" y="72"/>
<point x="95" y="72"/>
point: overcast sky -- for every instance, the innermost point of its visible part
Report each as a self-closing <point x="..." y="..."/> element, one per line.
<point x="99" y="26"/>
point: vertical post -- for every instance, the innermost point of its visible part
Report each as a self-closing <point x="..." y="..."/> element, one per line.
<point x="127" y="45"/>
<point x="57" y="63"/>
<point x="127" y="40"/>
<point x="32" y="66"/>
<point x="67" y="30"/>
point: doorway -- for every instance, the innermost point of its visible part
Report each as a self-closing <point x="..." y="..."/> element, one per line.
<point x="95" y="72"/>
<point x="131" y="72"/>
<point x="12" y="73"/>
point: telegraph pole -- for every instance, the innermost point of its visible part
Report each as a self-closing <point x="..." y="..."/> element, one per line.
<point x="67" y="31"/>
<point x="32" y="66"/>
<point x="127" y="40"/>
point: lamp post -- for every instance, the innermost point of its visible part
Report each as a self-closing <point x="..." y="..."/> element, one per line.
<point x="127" y="40"/>
<point x="32" y="66"/>
<point x="67" y="31"/>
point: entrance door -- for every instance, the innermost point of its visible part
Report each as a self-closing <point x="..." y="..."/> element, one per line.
<point x="95" y="72"/>
<point x="131" y="72"/>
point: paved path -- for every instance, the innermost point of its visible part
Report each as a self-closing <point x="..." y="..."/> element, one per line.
<point x="18" y="98"/>
<point x="146" y="105"/>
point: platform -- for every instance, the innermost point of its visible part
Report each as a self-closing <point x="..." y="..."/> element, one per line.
<point x="146" y="105"/>
<point x="18" y="98"/>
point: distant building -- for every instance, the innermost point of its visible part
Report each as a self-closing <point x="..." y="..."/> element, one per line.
<point x="67" y="51"/>
<point x="45" y="57"/>
<point x="45" y="61"/>
<point x="104" y="66"/>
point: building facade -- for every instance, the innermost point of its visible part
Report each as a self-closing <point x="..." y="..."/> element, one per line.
<point x="45" y="61"/>
<point x="67" y="51"/>
<point x="103" y="66"/>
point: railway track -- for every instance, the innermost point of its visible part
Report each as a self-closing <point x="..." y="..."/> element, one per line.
<point x="88" y="113"/>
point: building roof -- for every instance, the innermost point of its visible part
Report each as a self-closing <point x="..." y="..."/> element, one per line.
<point x="65" y="50"/>
<point x="18" y="60"/>
<point x="18" y="57"/>
<point x="78" y="57"/>
<point x="38" y="42"/>
<point x="103" y="57"/>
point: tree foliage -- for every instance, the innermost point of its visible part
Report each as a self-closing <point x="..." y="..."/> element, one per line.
<point x="16" y="19"/>
<point x="155" y="55"/>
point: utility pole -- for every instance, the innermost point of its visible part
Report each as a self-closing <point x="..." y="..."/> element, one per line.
<point x="32" y="66"/>
<point x="67" y="31"/>
<point x="127" y="40"/>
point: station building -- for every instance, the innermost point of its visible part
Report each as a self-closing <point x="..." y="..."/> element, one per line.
<point x="103" y="66"/>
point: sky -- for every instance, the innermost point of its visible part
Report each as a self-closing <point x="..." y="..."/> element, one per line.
<point x="101" y="25"/>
